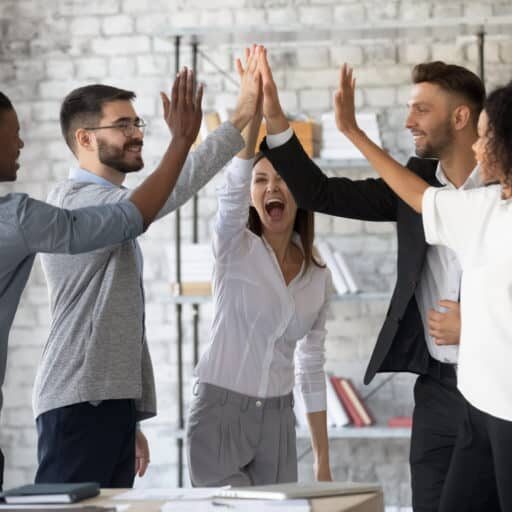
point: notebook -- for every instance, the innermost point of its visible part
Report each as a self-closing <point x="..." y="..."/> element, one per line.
<point x="51" y="493"/>
<point x="297" y="490"/>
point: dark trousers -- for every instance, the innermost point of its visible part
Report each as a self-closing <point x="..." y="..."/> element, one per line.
<point x="87" y="443"/>
<point x="480" y="476"/>
<point x="1" y="471"/>
<point x="438" y="414"/>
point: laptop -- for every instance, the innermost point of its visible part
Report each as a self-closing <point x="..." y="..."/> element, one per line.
<point x="297" y="490"/>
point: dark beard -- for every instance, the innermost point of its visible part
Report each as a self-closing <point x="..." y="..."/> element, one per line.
<point x="442" y="139"/>
<point x="113" y="156"/>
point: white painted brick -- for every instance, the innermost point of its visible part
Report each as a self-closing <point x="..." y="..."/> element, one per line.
<point x="85" y="26"/>
<point x="76" y="7"/>
<point x="448" y="52"/>
<point x="298" y="79"/>
<point x="414" y="53"/>
<point x="152" y="23"/>
<point x="350" y="13"/>
<point x="352" y="55"/>
<point x="153" y="65"/>
<point x="282" y="16"/>
<point x="289" y="101"/>
<point x="315" y="15"/>
<point x="91" y="68"/>
<point x="380" y="96"/>
<point x="506" y="51"/>
<point x="121" y="45"/>
<point x="491" y="52"/>
<point x="477" y="10"/>
<point x="383" y="11"/>
<point x="314" y="100"/>
<point x="29" y="70"/>
<point x="216" y="18"/>
<point x="313" y="58"/>
<point x="115" y="25"/>
<point x="250" y="17"/>
<point x="415" y="11"/>
<point x="447" y="10"/>
<point x="120" y="67"/>
<point x="59" y="68"/>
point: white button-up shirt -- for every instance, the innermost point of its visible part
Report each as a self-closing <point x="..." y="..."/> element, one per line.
<point x="440" y="277"/>
<point x="477" y="225"/>
<point x="261" y="325"/>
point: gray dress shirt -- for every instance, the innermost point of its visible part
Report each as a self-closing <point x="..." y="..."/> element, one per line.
<point x="28" y="226"/>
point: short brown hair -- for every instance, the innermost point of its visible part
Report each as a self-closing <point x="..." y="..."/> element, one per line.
<point x="304" y="225"/>
<point x="453" y="78"/>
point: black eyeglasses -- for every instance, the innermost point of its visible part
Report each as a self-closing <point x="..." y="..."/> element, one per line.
<point x="127" y="127"/>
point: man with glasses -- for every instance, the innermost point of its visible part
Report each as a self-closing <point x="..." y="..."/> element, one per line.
<point x="29" y="226"/>
<point x="95" y="380"/>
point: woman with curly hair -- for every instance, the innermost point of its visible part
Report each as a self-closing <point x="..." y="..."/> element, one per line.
<point x="477" y="225"/>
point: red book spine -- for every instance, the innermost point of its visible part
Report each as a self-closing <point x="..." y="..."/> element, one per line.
<point x="347" y="403"/>
<point x="358" y="402"/>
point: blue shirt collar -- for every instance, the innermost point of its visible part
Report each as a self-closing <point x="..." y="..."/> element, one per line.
<point x="79" y="174"/>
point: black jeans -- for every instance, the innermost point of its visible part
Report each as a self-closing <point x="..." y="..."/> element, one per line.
<point x="438" y="415"/>
<point x="480" y="477"/>
<point x="87" y="443"/>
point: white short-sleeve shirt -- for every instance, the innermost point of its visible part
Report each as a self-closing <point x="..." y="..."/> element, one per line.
<point x="477" y="225"/>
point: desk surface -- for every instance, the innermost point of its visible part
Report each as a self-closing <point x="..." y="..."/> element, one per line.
<point x="371" y="502"/>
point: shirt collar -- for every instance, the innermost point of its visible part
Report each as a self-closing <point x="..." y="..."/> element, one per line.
<point x="79" y="174"/>
<point x="472" y="181"/>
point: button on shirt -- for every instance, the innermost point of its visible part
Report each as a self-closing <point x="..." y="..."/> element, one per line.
<point x="28" y="226"/>
<point x="476" y="224"/>
<point x="259" y="323"/>
<point x="440" y="277"/>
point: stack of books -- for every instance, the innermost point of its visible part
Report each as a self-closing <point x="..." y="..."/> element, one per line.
<point x="335" y="146"/>
<point x="345" y="407"/>
<point x="343" y="278"/>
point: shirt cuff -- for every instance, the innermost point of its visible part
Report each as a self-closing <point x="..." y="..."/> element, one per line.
<point x="279" y="139"/>
<point x="428" y="210"/>
<point x="240" y="169"/>
<point x="135" y="222"/>
<point x="315" y="402"/>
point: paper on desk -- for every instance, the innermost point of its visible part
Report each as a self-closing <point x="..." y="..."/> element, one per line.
<point x="170" y="494"/>
<point x="233" y="505"/>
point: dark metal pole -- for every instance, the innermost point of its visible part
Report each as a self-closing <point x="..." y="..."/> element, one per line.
<point x="179" y="324"/>
<point x="195" y="232"/>
<point x="481" y="55"/>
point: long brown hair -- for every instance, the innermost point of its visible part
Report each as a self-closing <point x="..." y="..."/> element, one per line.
<point x="304" y="225"/>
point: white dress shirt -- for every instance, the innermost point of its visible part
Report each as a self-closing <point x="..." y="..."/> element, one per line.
<point x="440" y="277"/>
<point x="476" y="224"/>
<point x="260" y="324"/>
<point x="441" y="273"/>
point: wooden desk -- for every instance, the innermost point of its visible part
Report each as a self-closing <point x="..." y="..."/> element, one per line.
<point x="371" y="502"/>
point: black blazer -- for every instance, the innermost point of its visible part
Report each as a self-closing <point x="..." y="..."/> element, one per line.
<point x="401" y="345"/>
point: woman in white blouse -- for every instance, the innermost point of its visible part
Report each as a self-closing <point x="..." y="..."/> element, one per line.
<point x="477" y="225"/>
<point x="270" y="299"/>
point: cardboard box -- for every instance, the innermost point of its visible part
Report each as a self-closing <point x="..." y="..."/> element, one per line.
<point x="308" y="133"/>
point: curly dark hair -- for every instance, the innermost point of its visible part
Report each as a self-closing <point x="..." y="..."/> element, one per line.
<point x="498" y="149"/>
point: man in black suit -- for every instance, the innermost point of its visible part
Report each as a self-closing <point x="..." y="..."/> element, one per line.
<point x="421" y="329"/>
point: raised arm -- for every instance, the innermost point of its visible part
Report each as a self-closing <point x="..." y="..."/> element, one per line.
<point x="368" y="199"/>
<point x="408" y="186"/>
<point x="234" y="195"/>
<point x="220" y="146"/>
<point x="184" y="114"/>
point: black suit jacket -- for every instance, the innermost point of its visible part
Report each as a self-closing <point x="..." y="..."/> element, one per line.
<point x="401" y="344"/>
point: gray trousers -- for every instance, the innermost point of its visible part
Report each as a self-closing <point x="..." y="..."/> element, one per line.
<point x="240" y="440"/>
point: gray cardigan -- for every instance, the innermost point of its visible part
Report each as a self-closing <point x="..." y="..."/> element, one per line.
<point x="97" y="348"/>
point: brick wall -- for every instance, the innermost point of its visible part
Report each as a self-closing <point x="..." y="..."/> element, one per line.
<point x="49" y="47"/>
